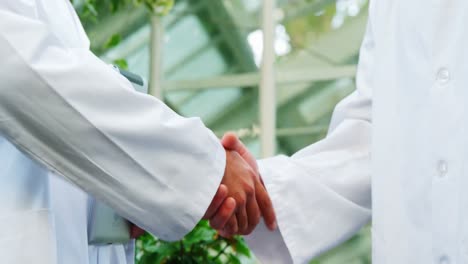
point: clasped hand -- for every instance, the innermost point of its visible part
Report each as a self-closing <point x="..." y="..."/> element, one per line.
<point x="241" y="199"/>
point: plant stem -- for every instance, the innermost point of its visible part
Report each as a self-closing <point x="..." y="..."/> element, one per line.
<point x="181" y="248"/>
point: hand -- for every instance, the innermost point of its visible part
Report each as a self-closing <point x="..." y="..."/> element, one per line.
<point x="231" y="142"/>
<point x="226" y="211"/>
<point x="221" y="198"/>
<point x="135" y="231"/>
<point x="239" y="178"/>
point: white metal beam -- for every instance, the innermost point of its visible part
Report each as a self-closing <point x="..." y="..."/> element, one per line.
<point x="249" y="80"/>
<point x="267" y="83"/>
<point x="254" y="131"/>
<point x="156" y="47"/>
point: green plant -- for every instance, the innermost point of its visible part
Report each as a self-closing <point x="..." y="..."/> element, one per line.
<point x="90" y="8"/>
<point x="202" y="245"/>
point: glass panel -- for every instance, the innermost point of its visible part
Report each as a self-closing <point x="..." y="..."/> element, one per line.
<point x="207" y="63"/>
<point x="305" y="110"/>
<point x="208" y="104"/>
<point x="182" y="40"/>
<point x="316" y="30"/>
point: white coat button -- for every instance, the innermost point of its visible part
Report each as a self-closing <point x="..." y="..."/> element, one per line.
<point x="444" y="260"/>
<point x="442" y="168"/>
<point x="443" y="76"/>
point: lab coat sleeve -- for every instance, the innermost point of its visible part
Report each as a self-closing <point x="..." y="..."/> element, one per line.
<point x="78" y="117"/>
<point x="322" y="194"/>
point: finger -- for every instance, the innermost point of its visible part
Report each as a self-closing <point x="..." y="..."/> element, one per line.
<point x="231" y="142"/>
<point x="266" y="206"/>
<point x="225" y="211"/>
<point x="136" y="232"/>
<point x="231" y="227"/>
<point x="242" y="219"/>
<point x="261" y="180"/>
<point x="225" y="233"/>
<point x="218" y="199"/>
<point x="254" y="215"/>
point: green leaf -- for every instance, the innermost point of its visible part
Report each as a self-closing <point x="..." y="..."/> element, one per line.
<point x="121" y="63"/>
<point x="234" y="259"/>
<point x="113" y="41"/>
<point x="242" y="248"/>
<point x="89" y="7"/>
<point x="200" y="234"/>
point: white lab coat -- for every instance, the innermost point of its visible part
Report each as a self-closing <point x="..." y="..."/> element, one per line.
<point x="409" y="112"/>
<point x="64" y="112"/>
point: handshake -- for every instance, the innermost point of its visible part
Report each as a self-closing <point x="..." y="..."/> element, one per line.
<point x="241" y="199"/>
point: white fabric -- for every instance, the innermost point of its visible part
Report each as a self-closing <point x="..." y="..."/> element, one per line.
<point x="411" y="101"/>
<point x="64" y="112"/>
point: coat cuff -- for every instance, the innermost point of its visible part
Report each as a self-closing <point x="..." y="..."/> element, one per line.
<point x="311" y="217"/>
<point x="204" y="194"/>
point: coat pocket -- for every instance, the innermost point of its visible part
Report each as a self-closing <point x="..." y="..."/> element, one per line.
<point x="378" y="247"/>
<point x="27" y="237"/>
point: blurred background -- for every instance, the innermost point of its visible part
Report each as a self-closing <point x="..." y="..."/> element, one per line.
<point x="270" y="70"/>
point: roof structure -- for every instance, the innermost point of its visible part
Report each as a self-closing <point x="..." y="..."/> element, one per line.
<point x="210" y="52"/>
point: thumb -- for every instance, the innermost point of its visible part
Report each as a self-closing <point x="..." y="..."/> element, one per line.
<point x="231" y="142"/>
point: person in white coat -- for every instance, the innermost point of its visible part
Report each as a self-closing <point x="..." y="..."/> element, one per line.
<point x="396" y="151"/>
<point x="70" y="126"/>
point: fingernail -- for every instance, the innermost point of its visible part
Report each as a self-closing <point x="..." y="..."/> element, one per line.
<point x="273" y="226"/>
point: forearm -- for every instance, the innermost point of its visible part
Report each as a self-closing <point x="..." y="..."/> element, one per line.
<point x="321" y="195"/>
<point x="73" y="114"/>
